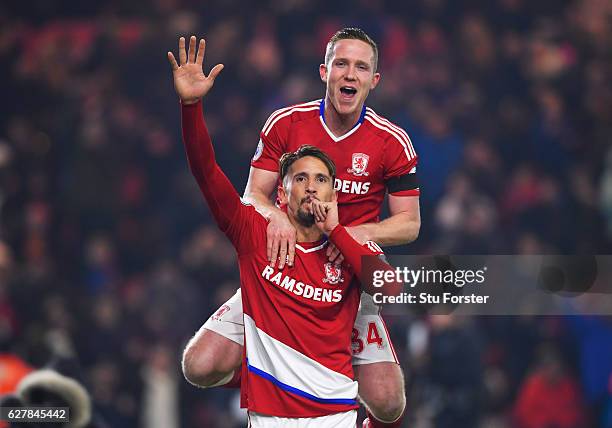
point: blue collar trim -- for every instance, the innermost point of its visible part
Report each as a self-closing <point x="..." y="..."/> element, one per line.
<point x="322" y="113"/>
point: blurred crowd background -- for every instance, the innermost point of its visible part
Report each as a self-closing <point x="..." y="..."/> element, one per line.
<point x="108" y="252"/>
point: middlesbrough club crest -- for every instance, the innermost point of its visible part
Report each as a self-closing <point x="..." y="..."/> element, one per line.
<point x="222" y="310"/>
<point x="359" y="165"/>
<point x="333" y="273"/>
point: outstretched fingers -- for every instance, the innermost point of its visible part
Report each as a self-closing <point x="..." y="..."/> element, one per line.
<point x="215" y="71"/>
<point x="172" y="60"/>
<point x="200" y="56"/>
<point x="193" y="56"/>
<point x="192" y="49"/>
<point x="182" y="51"/>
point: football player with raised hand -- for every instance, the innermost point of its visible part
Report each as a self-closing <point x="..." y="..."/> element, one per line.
<point x="373" y="157"/>
<point x="296" y="367"/>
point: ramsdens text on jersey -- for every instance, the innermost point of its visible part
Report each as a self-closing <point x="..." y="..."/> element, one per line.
<point x="354" y="187"/>
<point x="298" y="288"/>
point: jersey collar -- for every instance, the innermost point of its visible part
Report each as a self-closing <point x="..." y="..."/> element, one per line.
<point x="352" y="130"/>
<point x="309" y="247"/>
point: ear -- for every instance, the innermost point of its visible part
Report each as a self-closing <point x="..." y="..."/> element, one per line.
<point x="282" y="194"/>
<point x="375" y="80"/>
<point x="323" y="72"/>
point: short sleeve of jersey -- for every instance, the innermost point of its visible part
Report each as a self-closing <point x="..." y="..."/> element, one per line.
<point x="373" y="248"/>
<point x="272" y="142"/>
<point x="369" y="248"/>
<point x="400" y="164"/>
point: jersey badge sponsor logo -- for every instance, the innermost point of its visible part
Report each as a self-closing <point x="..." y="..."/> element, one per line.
<point x="258" y="150"/>
<point x="333" y="273"/>
<point x="359" y="165"/>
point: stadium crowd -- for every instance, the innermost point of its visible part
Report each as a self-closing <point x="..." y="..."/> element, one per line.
<point x="107" y="249"/>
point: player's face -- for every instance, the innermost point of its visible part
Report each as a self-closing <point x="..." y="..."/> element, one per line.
<point x="307" y="179"/>
<point x="349" y="75"/>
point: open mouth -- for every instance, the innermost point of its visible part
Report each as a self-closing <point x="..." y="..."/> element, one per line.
<point x="348" y="91"/>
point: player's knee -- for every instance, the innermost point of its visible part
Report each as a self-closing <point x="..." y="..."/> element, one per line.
<point x="209" y="358"/>
<point x="387" y="404"/>
<point x="197" y="368"/>
<point x="383" y="392"/>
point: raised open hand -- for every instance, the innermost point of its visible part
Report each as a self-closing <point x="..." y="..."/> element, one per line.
<point x="190" y="82"/>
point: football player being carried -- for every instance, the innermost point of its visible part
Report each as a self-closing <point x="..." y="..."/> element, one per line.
<point x="373" y="157"/>
<point x="297" y="369"/>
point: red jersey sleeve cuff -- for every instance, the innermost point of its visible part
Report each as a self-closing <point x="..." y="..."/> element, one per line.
<point x="194" y="109"/>
<point x="345" y="242"/>
<point x="197" y="103"/>
<point x="339" y="232"/>
<point x="268" y="166"/>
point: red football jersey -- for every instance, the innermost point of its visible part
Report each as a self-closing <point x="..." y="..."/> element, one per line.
<point x="296" y="320"/>
<point x="369" y="158"/>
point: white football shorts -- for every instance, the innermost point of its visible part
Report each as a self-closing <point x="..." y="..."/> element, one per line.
<point x="370" y="339"/>
<point x="337" y="420"/>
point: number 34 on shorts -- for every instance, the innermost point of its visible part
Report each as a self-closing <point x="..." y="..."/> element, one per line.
<point x="372" y="338"/>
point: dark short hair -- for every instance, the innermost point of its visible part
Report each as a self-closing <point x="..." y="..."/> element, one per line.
<point x="289" y="159"/>
<point x="354" y="34"/>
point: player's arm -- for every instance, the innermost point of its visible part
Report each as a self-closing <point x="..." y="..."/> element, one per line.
<point x="260" y="189"/>
<point x="400" y="174"/>
<point x="326" y="218"/>
<point x="191" y="85"/>
<point x="218" y="191"/>
<point x="401" y="227"/>
<point x="281" y="235"/>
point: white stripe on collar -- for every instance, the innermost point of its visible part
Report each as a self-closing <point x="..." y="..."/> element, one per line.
<point x="310" y="250"/>
<point x="342" y="137"/>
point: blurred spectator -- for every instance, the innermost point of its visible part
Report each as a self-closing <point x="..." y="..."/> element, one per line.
<point x="160" y="402"/>
<point x="550" y="396"/>
<point x="606" y="193"/>
<point x="13" y="369"/>
<point x="594" y="339"/>
<point x="448" y="395"/>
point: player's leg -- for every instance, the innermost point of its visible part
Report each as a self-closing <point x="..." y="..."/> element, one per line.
<point x="381" y="388"/>
<point x="214" y="354"/>
<point x="381" y="382"/>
